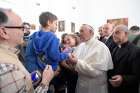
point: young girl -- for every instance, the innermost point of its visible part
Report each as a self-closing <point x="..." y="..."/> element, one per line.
<point x="70" y="41"/>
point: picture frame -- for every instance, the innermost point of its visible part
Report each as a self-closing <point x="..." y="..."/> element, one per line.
<point x="61" y="26"/>
<point x="72" y="27"/>
<point x="118" y="21"/>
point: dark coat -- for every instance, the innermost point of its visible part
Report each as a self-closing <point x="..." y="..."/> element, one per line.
<point x="109" y="43"/>
<point x="126" y="62"/>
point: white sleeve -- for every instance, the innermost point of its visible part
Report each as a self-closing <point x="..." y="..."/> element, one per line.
<point x="95" y="63"/>
<point x="87" y="69"/>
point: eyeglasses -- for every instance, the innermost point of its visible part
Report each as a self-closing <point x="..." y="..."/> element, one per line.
<point x="24" y="28"/>
<point x="18" y="27"/>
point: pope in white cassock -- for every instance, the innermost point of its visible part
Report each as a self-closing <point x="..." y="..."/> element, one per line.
<point x="92" y="60"/>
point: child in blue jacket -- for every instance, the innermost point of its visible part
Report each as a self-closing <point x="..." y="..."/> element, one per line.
<point x="44" y="41"/>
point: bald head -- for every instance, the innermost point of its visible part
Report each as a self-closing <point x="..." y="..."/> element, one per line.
<point x="108" y="29"/>
<point x="11" y="28"/>
<point x="109" y="24"/>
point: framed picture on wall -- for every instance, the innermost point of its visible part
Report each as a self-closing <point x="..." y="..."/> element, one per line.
<point x="61" y="26"/>
<point x="72" y="27"/>
<point x="118" y="21"/>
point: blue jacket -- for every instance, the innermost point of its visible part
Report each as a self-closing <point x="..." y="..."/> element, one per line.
<point x="48" y="43"/>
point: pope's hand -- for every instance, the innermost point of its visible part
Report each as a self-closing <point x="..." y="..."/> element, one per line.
<point x="72" y="58"/>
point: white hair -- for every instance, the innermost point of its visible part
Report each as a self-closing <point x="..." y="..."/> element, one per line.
<point x="121" y="28"/>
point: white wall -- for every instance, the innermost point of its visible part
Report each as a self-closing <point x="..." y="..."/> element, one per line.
<point x="101" y="10"/>
<point x="68" y="10"/>
<point x="93" y="12"/>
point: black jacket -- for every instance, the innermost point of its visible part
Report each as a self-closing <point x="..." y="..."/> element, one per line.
<point x="126" y="62"/>
<point x="109" y="43"/>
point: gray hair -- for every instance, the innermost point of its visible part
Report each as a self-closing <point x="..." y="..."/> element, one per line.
<point x="89" y="27"/>
<point x="3" y="16"/>
<point x="121" y="28"/>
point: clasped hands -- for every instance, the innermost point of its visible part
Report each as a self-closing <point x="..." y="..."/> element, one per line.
<point x="72" y="58"/>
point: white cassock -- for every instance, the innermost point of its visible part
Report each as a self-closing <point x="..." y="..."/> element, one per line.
<point x="94" y="60"/>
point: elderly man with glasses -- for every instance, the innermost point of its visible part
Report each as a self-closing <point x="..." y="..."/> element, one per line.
<point x="14" y="78"/>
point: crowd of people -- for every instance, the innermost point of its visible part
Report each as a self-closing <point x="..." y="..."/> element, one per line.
<point x="79" y="63"/>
